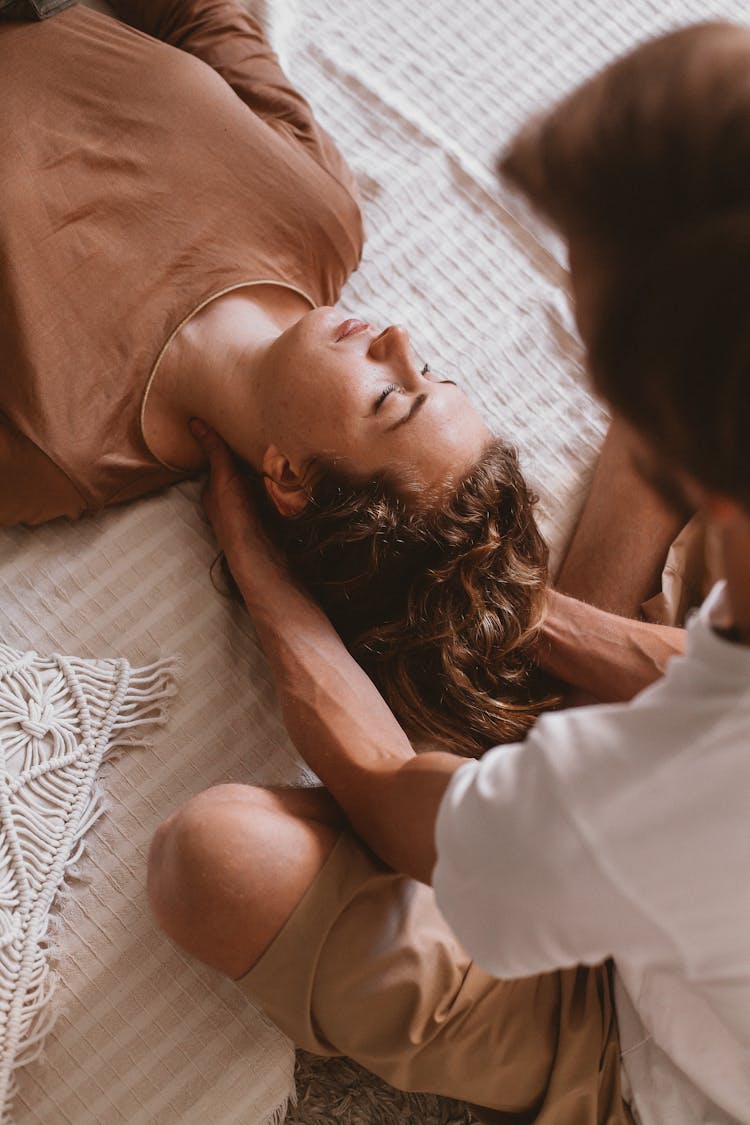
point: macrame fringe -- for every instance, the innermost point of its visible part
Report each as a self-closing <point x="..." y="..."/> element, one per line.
<point x="279" y="1114"/>
<point x="118" y="707"/>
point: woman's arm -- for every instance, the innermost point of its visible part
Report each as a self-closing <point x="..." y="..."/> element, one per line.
<point x="223" y="34"/>
<point x="334" y="714"/>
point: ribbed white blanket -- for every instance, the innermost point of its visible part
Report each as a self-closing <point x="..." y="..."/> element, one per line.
<point x="420" y="96"/>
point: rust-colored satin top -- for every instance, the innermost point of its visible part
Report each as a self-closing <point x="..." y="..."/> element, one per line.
<point x="138" y="180"/>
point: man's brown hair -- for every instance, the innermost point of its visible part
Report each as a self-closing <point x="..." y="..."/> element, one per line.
<point x="648" y="166"/>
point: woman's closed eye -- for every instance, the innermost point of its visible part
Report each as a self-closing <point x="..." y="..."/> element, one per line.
<point x="383" y="396"/>
<point x="395" y="387"/>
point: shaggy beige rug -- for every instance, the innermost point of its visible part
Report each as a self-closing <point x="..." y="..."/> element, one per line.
<point x="339" y="1090"/>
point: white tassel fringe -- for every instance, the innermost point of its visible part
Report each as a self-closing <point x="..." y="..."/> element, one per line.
<point x="60" y="719"/>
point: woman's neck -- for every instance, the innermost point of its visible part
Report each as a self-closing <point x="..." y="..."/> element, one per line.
<point x="213" y="369"/>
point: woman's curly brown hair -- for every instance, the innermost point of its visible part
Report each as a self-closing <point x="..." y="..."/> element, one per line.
<point x="441" y="608"/>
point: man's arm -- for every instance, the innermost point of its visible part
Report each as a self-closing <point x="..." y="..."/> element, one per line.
<point x="335" y="716"/>
<point x="609" y="657"/>
<point x="614" y="562"/>
<point x="617" y="553"/>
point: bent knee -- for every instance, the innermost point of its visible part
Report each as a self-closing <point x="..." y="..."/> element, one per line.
<point x="226" y="870"/>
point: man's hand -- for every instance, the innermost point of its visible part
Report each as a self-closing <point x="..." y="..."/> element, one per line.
<point x="233" y="514"/>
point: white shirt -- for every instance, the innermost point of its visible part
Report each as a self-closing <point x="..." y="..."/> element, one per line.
<point x="624" y="831"/>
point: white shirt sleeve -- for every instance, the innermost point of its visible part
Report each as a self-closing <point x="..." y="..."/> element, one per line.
<point x="516" y="879"/>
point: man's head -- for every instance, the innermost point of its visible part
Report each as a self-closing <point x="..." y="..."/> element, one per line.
<point x="646" y="172"/>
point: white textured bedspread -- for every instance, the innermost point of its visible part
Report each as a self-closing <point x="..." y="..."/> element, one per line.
<point x="420" y="95"/>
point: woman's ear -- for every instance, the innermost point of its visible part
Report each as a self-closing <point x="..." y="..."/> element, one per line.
<point x="284" y="483"/>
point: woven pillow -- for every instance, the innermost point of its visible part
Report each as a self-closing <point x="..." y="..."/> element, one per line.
<point x="60" y="717"/>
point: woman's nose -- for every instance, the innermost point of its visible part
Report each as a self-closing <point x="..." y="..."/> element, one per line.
<point x="397" y="338"/>
<point x="392" y="344"/>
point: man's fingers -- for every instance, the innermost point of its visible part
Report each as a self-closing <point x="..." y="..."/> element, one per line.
<point x="203" y="434"/>
<point x="215" y="449"/>
<point x="218" y="452"/>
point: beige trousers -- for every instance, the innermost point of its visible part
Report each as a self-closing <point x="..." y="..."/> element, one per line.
<point x="367" y="967"/>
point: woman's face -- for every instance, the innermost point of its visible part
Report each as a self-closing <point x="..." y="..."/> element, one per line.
<point x="339" y="389"/>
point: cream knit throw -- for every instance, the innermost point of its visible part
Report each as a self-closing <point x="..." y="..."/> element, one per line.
<point x="59" y="719"/>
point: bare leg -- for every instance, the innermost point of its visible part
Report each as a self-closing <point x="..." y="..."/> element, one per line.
<point x="618" y="550"/>
<point x="228" y="868"/>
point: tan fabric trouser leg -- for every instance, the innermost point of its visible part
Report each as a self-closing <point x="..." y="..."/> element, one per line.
<point x="367" y="967"/>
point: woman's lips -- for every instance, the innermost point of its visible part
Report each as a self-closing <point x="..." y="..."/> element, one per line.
<point x="350" y="327"/>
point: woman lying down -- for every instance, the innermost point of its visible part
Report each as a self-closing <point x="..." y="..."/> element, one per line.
<point x="176" y="231"/>
<point x="175" y="246"/>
